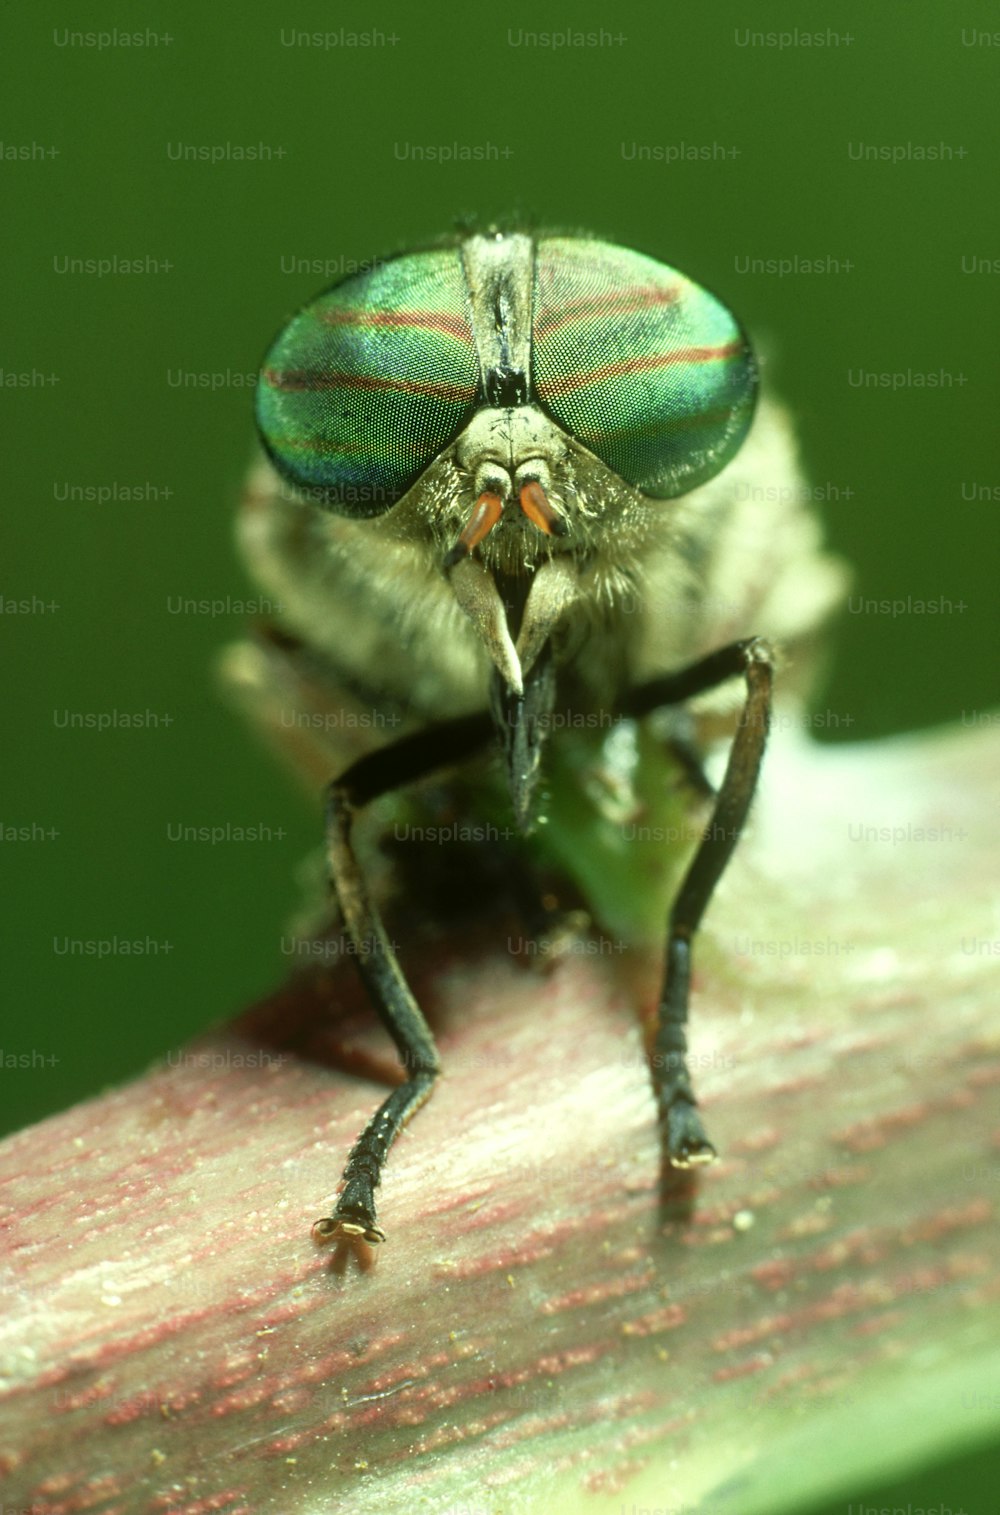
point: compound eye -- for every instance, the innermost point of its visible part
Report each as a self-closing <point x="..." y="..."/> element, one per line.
<point x="645" y="368"/>
<point x="369" y="382"/>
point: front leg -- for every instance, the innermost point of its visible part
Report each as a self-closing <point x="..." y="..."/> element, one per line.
<point x="378" y="773"/>
<point x="684" y="1136"/>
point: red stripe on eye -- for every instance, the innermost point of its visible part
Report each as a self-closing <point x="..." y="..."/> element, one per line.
<point x="297" y="380"/>
<point x="626" y="302"/>
<point x="428" y="320"/>
<point x="408" y="450"/>
<point x="560" y="386"/>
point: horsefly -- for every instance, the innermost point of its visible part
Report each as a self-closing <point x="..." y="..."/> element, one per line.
<point x="520" y="486"/>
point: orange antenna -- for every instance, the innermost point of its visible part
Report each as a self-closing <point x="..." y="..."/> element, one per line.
<point x="485" y="514"/>
<point x="535" y="504"/>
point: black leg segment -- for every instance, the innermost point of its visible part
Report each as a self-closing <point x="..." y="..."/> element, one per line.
<point x="402" y="762"/>
<point x="685" y="1141"/>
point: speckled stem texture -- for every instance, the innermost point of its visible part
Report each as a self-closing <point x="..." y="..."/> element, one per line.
<point x="548" y="1327"/>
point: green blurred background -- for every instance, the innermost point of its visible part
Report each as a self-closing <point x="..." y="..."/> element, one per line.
<point x="92" y="169"/>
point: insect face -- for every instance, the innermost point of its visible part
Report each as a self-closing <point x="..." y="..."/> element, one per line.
<point x="537" y="400"/>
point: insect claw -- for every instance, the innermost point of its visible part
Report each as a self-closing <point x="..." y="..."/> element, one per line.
<point x="687" y="1144"/>
<point x="332" y="1226"/>
<point x="701" y="1158"/>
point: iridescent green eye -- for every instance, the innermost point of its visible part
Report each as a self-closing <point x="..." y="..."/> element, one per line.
<point x="367" y="384"/>
<point x="645" y="368"/>
<point x="372" y="380"/>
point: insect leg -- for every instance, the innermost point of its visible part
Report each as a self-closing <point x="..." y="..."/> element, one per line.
<point x="683" y="1132"/>
<point x="377" y="773"/>
<point x="686" y="752"/>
